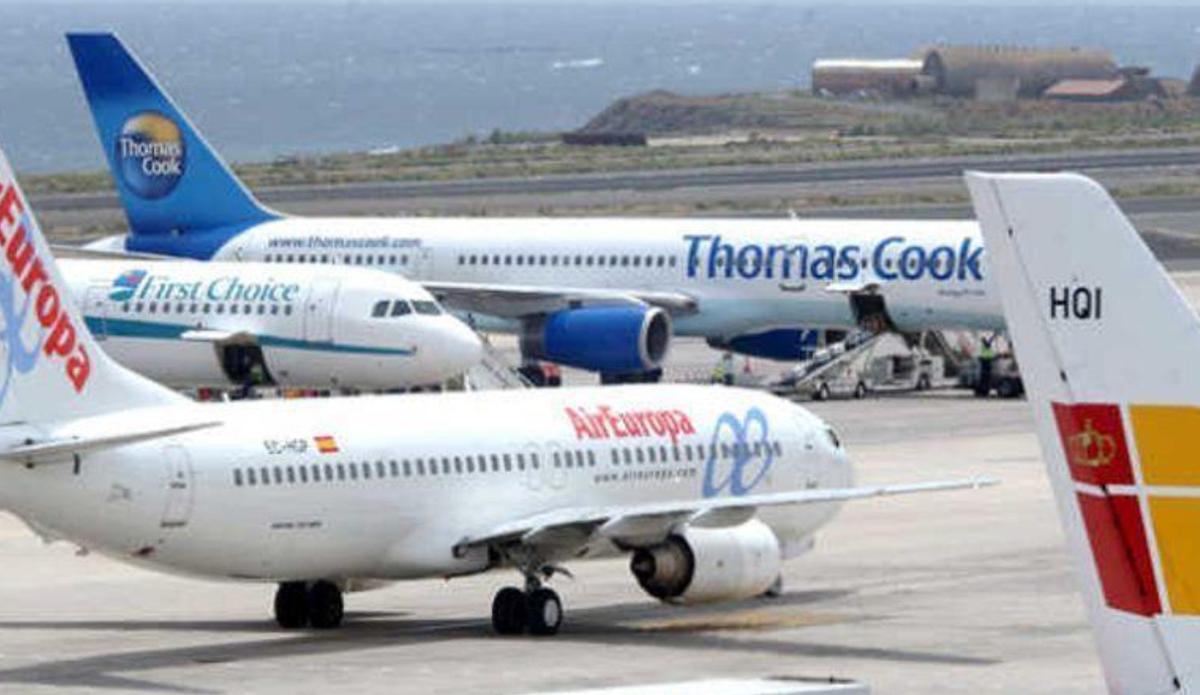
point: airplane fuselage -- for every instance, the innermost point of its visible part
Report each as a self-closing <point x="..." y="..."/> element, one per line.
<point x="306" y="492"/>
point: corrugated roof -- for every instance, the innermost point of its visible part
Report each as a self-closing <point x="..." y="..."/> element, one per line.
<point x="868" y="64"/>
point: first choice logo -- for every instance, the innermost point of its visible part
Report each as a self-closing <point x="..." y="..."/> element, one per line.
<point x="150" y="154"/>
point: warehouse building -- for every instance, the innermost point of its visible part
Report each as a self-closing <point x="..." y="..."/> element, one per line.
<point x="993" y="71"/>
<point x="891" y="77"/>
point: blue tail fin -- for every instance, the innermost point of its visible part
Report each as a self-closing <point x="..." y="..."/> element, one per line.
<point x="171" y="182"/>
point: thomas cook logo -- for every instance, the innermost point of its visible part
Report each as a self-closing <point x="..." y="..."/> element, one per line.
<point x="125" y="285"/>
<point x="150" y="154"/>
<point x="740" y="454"/>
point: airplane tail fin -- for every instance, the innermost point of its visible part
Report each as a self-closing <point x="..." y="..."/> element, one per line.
<point x="1107" y="346"/>
<point x="174" y="187"/>
<point x="50" y="367"/>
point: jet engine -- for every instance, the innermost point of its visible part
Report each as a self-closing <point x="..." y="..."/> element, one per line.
<point x="611" y="339"/>
<point x="710" y="564"/>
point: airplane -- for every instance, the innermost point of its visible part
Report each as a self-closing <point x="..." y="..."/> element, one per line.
<point x="1107" y="345"/>
<point x="708" y="488"/>
<point x="757" y="287"/>
<point x="195" y="325"/>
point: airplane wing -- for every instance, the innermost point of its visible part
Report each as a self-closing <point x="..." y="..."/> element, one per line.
<point x="99" y="254"/>
<point x="561" y="532"/>
<point x="515" y="301"/>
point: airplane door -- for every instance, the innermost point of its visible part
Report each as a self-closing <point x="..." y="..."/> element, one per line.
<point x="422" y="263"/>
<point x="180" y="491"/>
<point x="95" y="310"/>
<point x="318" y="311"/>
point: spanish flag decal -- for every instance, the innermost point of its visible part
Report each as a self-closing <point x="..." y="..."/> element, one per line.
<point x="326" y="444"/>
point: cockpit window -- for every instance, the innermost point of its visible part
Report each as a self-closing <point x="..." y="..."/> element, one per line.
<point x="380" y="309"/>
<point x="400" y="308"/>
<point x="833" y="438"/>
<point x="427" y="308"/>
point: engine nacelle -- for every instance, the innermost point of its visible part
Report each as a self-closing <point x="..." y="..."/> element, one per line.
<point x="702" y="564"/>
<point x="787" y="344"/>
<point x="611" y="339"/>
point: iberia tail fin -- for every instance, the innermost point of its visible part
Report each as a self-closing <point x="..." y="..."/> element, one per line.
<point x="50" y="367"/>
<point x="1107" y="346"/>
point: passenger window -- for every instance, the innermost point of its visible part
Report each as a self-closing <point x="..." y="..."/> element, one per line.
<point x="316" y="473"/>
<point x="650" y="454"/>
<point x="420" y="466"/>
<point x="250" y="477"/>
<point x="641" y="455"/>
<point x="393" y="468"/>
<point x="287" y="310"/>
<point x="237" y="477"/>
<point x="366" y="470"/>
<point x="278" y="476"/>
<point x="407" y="468"/>
<point x="233" y="308"/>
<point x="507" y="463"/>
<point x="557" y="458"/>
<point x="353" y="470"/>
<point x="341" y="472"/>
<point x="591" y="455"/>
<point x="628" y="457"/>
<point x="328" y="472"/>
<point x="291" y="475"/>
<point x="380" y="309"/>
<point x="458" y="467"/>
<point x="520" y="462"/>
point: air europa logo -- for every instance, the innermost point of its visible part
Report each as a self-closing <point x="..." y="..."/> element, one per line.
<point x="150" y="154"/>
<point x="58" y="336"/>
<point x="606" y="423"/>
<point x="740" y="454"/>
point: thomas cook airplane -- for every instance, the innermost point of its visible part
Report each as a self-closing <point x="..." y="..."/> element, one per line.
<point x="709" y="489"/>
<point x="758" y="287"/>
<point x="190" y="325"/>
<point x="1108" y="348"/>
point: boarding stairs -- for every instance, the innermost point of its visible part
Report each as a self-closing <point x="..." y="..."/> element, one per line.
<point x="827" y="361"/>
<point x="493" y="372"/>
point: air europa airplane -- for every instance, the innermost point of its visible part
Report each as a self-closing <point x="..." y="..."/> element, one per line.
<point x="709" y="489"/>
<point x="191" y="324"/>
<point x="754" y="286"/>
<point x="1108" y="346"/>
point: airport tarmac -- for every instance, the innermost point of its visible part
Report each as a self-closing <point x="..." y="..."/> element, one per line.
<point x="968" y="591"/>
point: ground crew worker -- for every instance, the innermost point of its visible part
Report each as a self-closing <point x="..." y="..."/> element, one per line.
<point x="987" y="355"/>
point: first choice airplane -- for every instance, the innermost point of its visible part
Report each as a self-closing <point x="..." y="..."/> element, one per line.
<point x="709" y="489"/>
<point x="191" y="325"/>
<point x="596" y="293"/>
<point x="1107" y="346"/>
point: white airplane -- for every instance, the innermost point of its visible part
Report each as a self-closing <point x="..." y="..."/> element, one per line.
<point x="193" y="325"/>
<point x="1107" y="346"/>
<point x="754" y="286"/>
<point x="710" y="489"/>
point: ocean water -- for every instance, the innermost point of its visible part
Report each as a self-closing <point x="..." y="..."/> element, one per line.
<point x="267" y="79"/>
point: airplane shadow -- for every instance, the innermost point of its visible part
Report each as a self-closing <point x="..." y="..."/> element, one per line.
<point x="619" y="624"/>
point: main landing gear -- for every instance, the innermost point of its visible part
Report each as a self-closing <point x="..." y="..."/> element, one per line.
<point x="308" y="604"/>
<point x="536" y="609"/>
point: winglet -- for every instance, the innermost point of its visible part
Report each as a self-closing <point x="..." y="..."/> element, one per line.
<point x="1107" y="346"/>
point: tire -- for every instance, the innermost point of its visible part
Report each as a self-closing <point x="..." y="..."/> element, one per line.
<point x="291" y="605"/>
<point x="822" y="393"/>
<point x="509" y="611"/>
<point x="544" y="612"/>
<point x="325" y="608"/>
<point x="860" y="390"/>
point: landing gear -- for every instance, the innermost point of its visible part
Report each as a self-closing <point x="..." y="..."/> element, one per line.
<point x="317" y="604"/>
<point x="291" y="605"/>
<point x="538" y="610"/>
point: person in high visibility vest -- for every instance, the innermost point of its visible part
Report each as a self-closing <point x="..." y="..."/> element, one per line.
<point x="987" y="355"/>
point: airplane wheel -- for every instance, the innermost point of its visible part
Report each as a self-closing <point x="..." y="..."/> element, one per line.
<point x="545" y="612"/>
<point x="291" y="605"/>
<point x="325" y="609"/>
<point x="508" y="611"/>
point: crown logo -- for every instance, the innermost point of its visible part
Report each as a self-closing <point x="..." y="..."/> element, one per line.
<point x="1090" y="447"/>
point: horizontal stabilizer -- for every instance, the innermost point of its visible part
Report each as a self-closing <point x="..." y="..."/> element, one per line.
<point x="61" y="448"/>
